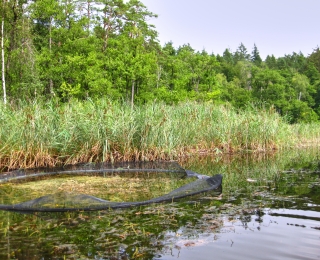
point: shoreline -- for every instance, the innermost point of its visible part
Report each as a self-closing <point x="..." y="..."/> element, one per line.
<point x="47" y="161"/>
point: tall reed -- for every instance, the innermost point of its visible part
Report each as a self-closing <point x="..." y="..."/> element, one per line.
<point x="46" y="134"/>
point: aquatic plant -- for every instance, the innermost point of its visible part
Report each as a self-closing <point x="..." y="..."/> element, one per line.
<point x="52" y="133"/>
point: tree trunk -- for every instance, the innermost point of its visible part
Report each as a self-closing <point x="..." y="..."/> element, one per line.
<point x="89" y="14"/>
<point x="2" y="58"/>
<point x="159" y="70"/>
<point x="50" y="49"/>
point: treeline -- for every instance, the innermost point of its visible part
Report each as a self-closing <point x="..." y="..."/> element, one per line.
<point x="107" y="48"/>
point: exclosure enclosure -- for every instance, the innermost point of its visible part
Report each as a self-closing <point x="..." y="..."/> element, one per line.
<point x="91" y="187"/>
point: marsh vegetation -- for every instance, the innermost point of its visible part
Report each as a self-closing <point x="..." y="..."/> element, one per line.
<point x="52" y="133"/>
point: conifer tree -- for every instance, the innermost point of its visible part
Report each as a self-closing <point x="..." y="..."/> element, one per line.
<point x="255" y="56"/>
<point x="241" y="53"/>
<point x="227" y="56"/>
<point x="271" y="62"/>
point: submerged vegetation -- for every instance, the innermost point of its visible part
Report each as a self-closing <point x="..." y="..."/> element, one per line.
<point x="48" y="134"/>
<point x="252" y="183"/>
<point x="116" y="188"/>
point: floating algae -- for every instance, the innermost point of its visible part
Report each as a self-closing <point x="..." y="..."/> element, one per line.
<point x="97" y="187"/>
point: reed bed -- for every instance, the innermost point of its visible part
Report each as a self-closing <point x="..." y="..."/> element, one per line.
<point x="52" y="133"/>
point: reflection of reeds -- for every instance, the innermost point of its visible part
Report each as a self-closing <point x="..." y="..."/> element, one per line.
<point x="47" y="134"/>
<point x="243" y="173"/>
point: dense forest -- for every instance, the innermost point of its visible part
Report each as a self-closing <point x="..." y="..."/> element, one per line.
<point x="84" y="49"/>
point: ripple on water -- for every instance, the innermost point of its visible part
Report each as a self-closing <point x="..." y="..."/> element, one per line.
<point x="278" y="234"/>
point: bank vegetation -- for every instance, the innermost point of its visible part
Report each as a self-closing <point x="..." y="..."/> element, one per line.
<point x="53" y="133"/>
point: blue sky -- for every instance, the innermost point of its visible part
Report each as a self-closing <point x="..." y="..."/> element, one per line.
<point x="277" y="27"/>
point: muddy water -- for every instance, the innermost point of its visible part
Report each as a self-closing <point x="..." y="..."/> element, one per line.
<point x="269" y="209"/>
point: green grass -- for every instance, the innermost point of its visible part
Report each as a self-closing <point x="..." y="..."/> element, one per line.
<point x="46" y="134"/>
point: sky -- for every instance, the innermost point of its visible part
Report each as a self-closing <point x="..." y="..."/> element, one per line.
<point x="277" y="27"/>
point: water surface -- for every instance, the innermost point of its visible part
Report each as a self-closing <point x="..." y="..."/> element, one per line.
<point x="269" y="209"/>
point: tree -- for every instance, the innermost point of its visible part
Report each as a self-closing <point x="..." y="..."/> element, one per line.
<point x="235" y="94"/>
<point x="19" y="69"/>
<point x="271" y="62"/>
<point x="111" y="19"/>
<point x="140" y="35"/>
<point x="313" y="76"/>
<point x="312" y="73"/>
<point x="241" y="54"/>
<point x="292" y="62"/>
<point x="47" y="16"/>
<point x="165" y="67"/>
<point x="270" y="87"/>
<point x="89" y="6"/>
<point x="227" y="56"/>
<point x="314" y="58"/>
<point x="2" y="56"/>
<point x="243" y="71"/>
<point x="255" y="56"/>
<point x="301" y="85"/>
<point x="227" y="65"/>
<point x="299" y="111"/>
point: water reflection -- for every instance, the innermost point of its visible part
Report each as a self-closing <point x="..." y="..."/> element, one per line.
<point x="270" y="209"/>
<point x="271" y="237"/>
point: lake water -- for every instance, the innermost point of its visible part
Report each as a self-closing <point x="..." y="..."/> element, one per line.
<point x="269" y="209"/>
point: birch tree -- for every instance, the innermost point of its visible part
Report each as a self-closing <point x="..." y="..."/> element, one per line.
<point x="2" y="56"/>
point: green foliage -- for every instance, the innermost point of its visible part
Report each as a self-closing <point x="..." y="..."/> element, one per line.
<point x="299" y="111"/>
<point x="314" y="58"/>
<point x="80" y="49"/>
<point x="67" y="90"/>
<point x="271" y="62"/>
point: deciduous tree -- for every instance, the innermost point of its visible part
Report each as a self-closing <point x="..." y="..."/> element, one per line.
<point x="3" y="77"/>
